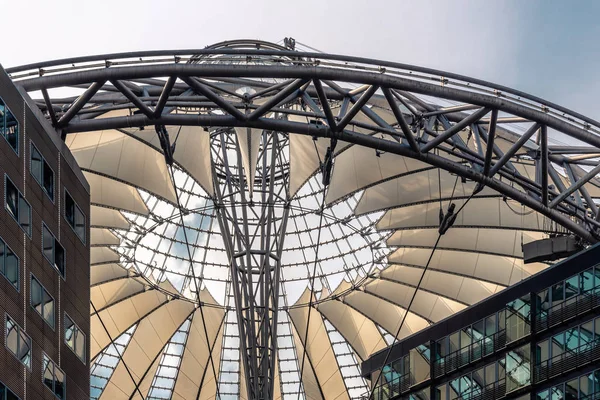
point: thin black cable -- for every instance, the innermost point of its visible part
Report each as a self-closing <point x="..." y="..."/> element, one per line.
<point x="118" y="352"/>
<point x="389" y="352"/>
<point x="200" y="306"/>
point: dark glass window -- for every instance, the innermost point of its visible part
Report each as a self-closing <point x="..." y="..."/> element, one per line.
<point x="74" y="338"/>
<point x="18" y="342"/>
<point x="42" y="302"/>
<point x="75" y="217"/>
<point x="42" y="172"/>
<point x="53" y="377"/>
<point x="17" y="206"/>
<point x="9" y="264"/>
<point x="9" y="127"/>
<point x="53" y="251"/>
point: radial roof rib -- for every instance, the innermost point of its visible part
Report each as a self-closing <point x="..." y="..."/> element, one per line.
<point x="358" y="167"/>
<point x="418" y="187"/>
<point x="429" y="305"/>
<point x="101" y="273"/>
<point x="385" y="314"/>
<point x="195" y="371"/>
<point x="120" y="316"/>
<point x="103" y="237"/>
<point x="506" y="242"/>
<point x="479" y="212"/>
<point x="148" y="340"/>
<point x="103" y="255"/>
<point x="360" y="332"/>
<point x="103" y="217"/>
<point x="318" y="350"/>
<point x="190" y="141"/>
<point x="249" y="142"/>
<point x="462" y="289"/>
<point x="491" y="268"/>
<point x="124" y="158"/>
<point x="114" y="194"/>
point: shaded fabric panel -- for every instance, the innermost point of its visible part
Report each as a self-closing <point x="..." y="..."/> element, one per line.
<point x="100" y="273"/>
<point x="417" y="187"/>
<point x="107" y="218"/>
<point x="506" y="242"/>
<point x="385" y="314"/>
<point x="195" y="364"/>
<point x="479" y="212"/>
<point x="118" y="317"/>
<point x="358" y="167"/>
<point x="152" y="333"/>
<point x="360" y="332"/>
<point x="430" y="306"/>
<point x="122" y="157"/>
<point x="319" y="350"/>
<point x="103" y="237"/>
<point x="111" y="193"/>
<point x="462" y="289"/>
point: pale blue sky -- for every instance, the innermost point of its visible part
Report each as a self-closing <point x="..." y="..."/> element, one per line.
<point x="547" y="48"/>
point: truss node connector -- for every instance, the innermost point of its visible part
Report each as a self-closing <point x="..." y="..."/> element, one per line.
<point x="447" y="220"/>
<point x="165" y="143"/>
<point x="327" y="165"/>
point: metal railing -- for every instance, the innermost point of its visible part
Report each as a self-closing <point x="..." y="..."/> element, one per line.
<point x="570" y="308"/>
<point x="570" y="359"/>
<point x="492" y="391"/>
<point x="391" y="389"/>
<point x="468" y="354"/>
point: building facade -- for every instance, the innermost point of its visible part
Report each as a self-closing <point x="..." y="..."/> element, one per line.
<point x="539" y="339"/>
<point x="44" y="257"/>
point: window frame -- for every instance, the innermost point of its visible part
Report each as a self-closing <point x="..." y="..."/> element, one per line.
<point x="78" y="329"/>
<point x="50" y="196"/>
<point x="17" y="286"/>
<point x="85" y="218"/>
<point x="53" y="262"/>
<point x="47" y="358"/>
<point x="20" y="197"/>
<point x="3" y="126"/>
<point x="20" y="332"/>
<point x="32" y="278"/>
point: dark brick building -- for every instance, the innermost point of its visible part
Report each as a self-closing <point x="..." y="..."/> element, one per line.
<point x="44" y="257"/>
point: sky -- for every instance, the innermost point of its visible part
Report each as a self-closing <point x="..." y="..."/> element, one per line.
<point x="547" y="48"/>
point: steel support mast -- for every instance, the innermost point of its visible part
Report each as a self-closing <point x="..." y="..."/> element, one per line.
<point x="252" y="215"/>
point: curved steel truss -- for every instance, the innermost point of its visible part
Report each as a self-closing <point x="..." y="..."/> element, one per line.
<point x="506" y="148"/>
<point x="203" y="82"/>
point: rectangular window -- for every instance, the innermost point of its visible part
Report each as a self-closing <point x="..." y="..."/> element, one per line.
<point x="9" y="127"/>
<point x="75" y="216"/>
<point x="9" y="264"/>
<point x="53" y="377"/>
<point x="53" y="251"/>
<point x="6" y="393"/>
<point x="17" y="206"/>
<point x="41" y="171"/>
<point x="18" y="342"/>
<point x="74" y="338"/>
<point x="42" y="302"/>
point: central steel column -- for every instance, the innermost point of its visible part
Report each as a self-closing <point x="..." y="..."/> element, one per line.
<point x="253" y="217"/>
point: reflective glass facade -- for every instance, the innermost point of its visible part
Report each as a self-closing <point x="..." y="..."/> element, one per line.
<point x="534" y="336"/>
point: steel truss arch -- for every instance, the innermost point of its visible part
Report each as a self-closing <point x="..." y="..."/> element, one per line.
<point x="251" y="100"/>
